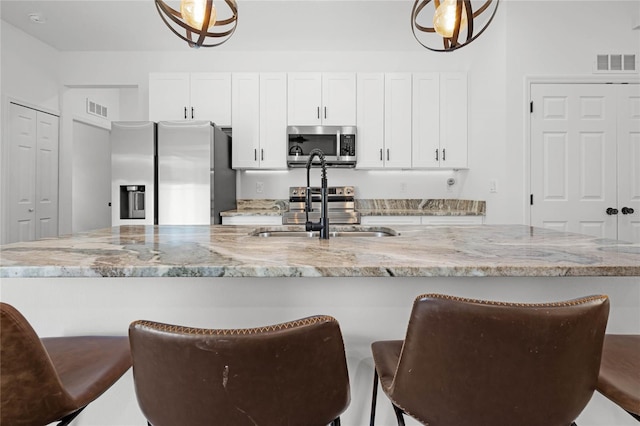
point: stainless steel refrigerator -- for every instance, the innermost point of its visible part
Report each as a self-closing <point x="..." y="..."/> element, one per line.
<point x="193" y="179"/>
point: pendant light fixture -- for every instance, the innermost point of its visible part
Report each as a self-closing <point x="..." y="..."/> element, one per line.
<point x="450" y="24"/>
<point x="197" y="20"/>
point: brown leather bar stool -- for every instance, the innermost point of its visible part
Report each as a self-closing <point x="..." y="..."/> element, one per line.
<point x="294" y="373"/>
<point x="469" y="362"/>
<point x="53" y="379"/>
<point x="619" y="378"/>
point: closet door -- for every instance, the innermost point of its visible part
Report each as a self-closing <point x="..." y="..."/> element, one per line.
<point x="32" y="190"/>
<point x="47" y="176"/>
<point x="629" y="162"/>
<point x="573" y="158"/>
<point x="21" y="186"/>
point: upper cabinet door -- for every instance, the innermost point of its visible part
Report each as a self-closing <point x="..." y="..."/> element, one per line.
<point x="370" y="120"/>
<point x="273" y="120"/>
<point x="246" y="121"/>
<point x="169" y="96"/>
<point x="426" y="120"/>
<point x="439" y="120"/>
<point x="397" y="120"/>
<point x="453" y="120"/>
<point x="210" y="95"/>
<point x="339" y="99"/>
<point x="304" y="99"/>
<point x="190" y="96"/>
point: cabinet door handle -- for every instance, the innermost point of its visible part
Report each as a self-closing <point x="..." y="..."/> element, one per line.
<point x="262" y="155"/>
<point x="437" y="155"/>
<point x="318" y="109"/>
<point x="611" y="211"/>
<point x="444" y="154"/>
<point x="325" y="112"/>
<point x="192" y="113"/>
<point x="255" y="154"/>
<point x="387" y="154"/>
<point x="30" y="210"/>
<point x="185" y="113"/>
<point x="380" y="154"/>
<point x="627" y="210"/>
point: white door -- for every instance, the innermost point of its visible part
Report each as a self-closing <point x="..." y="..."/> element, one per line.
<point x="370" y="120"/>
<point x="210" y="95"/>
<point x="273" y="120"/>
<point x="22" y="174"/>
<point x="629" y="162"/>
<point x="339" y="99"/>
<point x="304" y="99"/>
<point x="47" y="176"/>
<point x="91" y="178"/>
<point x="169" y="96"/>
<point x="583" y="170"/>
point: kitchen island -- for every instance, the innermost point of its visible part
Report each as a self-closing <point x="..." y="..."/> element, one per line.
<point x="225" y="276"/>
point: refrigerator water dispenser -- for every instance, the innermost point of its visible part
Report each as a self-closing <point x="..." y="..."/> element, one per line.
<point x="132" y="202"/>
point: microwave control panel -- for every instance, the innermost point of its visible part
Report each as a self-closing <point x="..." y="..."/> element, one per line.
<point x="347" y="145"/>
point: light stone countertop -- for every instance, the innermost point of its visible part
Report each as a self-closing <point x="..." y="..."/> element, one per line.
<point x="230" y="251"/>
<point x="371" y="207"/>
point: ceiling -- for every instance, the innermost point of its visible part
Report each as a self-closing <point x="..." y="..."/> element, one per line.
<point x="134" y="25"/>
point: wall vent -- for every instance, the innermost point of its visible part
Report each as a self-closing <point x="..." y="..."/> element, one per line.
<point x="96" y="109"/>
<point x="616" y="63"/>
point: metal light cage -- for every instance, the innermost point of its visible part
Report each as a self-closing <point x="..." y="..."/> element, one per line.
<point x="476" y="23"/>
<point x="196" y="37"/>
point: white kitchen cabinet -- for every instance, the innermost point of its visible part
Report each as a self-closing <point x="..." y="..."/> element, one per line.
<point x="384" y="120"/>
<point x="370" y="120"/>
<point x="421" y="220"/>
<point x="397" y="120"/>
<point x="321" y="99"/>
<point x="452" y="220"/>
<point x="390" y="220"/>
<point x="259" y="120"/>
<point x="257" y="220"/>
<point x="439" y="136"/>
<point x="190" y="96"/>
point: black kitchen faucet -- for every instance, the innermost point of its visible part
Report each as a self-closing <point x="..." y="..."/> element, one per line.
<point x="323" y="224"/>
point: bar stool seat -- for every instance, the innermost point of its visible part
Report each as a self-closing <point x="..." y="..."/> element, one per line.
<point x="53" y="379"/>
<point x="619" y="378"/>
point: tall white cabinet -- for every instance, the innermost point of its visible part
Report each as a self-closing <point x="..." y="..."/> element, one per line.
<point x="259" y="120"/>
<point x="439" y="136"/>
<point x="384" y="120"/>
<point x="32" y="175"/>
<point x="190" y="96"/>
<point x="321" y="99"/>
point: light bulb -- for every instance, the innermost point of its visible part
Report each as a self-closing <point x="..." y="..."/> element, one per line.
<point x="193" y="12"/>
<point x="444" y="20"/>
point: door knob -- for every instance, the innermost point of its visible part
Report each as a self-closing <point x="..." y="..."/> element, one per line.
<point x="627" y="210"/>
<point x="611" y="211"/>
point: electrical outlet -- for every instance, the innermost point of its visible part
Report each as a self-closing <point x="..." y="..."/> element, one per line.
<point x="403" y="187"/>
<point x="493" y="186"/>
<point x="259" y="187"/>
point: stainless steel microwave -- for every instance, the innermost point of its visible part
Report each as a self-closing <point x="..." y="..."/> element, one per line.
<point x="338" y="143"/>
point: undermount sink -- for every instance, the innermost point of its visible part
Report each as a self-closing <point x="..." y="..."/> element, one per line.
<point x="269" y="233"/>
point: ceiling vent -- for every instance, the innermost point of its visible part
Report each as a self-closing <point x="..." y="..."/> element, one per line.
<point x="96" y="109"/>
<point x="616" y="63"/>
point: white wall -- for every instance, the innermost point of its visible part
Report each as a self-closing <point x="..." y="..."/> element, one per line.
<point x="526" y="38"/>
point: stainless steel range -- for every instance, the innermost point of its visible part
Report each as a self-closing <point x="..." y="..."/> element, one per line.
<point x="340" y="202"/>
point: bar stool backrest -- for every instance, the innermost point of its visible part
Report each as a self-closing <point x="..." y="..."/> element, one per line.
<point x="293" y="373"/>
<point x="468" y="362"/>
